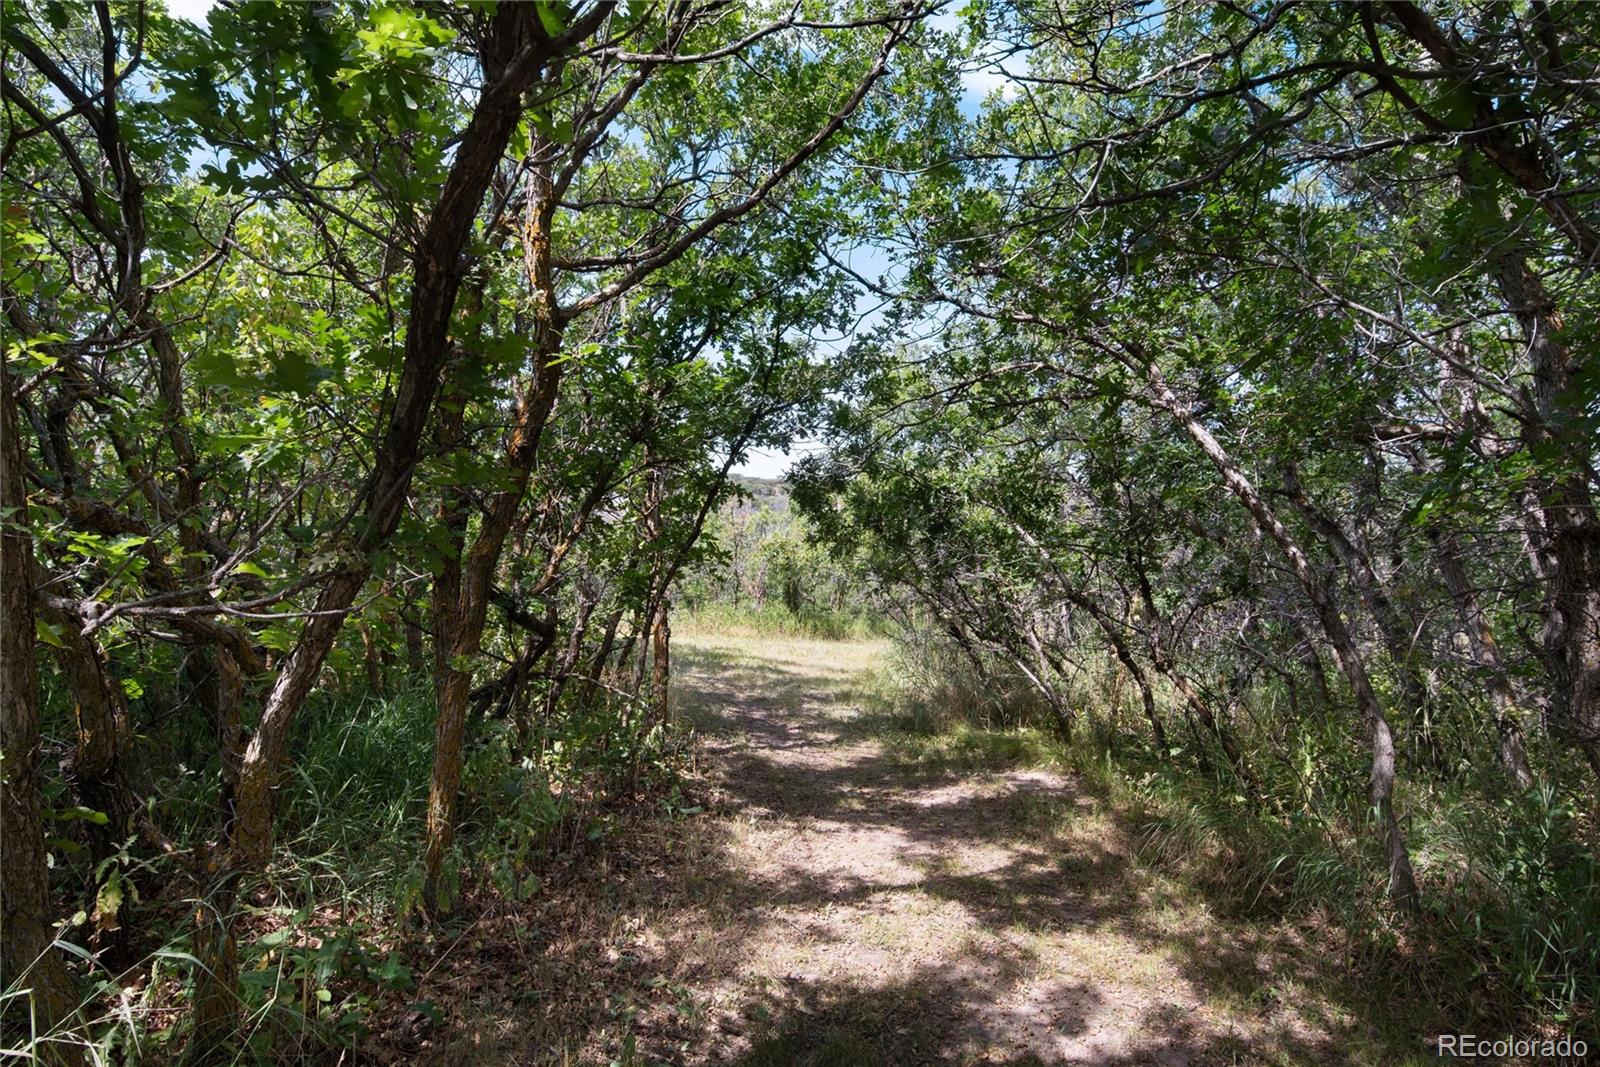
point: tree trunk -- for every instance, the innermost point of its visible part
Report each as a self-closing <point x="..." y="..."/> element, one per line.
<point x="1161" y="657"/>
<point x="1402" y="880"/>
<point x="1510" y="746"/>
<point x="98" y="769"/>
<point x="226" y="699"/>
<point x="216" y="1012"/>
<point x="1568" y="521"/>
<point x="444" y="783"/>
<point x="1458" y="389"/>
<point x="1112" y="632"/>
<point x="1315" y="670"/>
<point x="602" y="655"/>
<point x="466" y="623"/>
<point x="413" y="635"/>
<point x="641" y="637"/>
<point x="520" y="53"/>
<point x="27" y="947"/>
<point x="1041" y="681"/>
<point x="1147" y="696"/>
<point x="963" y="640"/>
<point x="661" y="663"/>
<point x="567" y="661"/>
<point x="374" y="663"/>
<point x="1392" y="629"/>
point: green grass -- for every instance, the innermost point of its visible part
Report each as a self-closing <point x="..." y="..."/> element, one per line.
<point x="774" y="620"/>
<point x="966" y="747"/>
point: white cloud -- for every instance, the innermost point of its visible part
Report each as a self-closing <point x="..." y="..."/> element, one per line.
<point x="196" y="11"/>
<point x="986" y="80"/>
<point x="995" y="75"/>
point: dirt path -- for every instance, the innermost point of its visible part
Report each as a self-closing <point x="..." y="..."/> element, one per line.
<point x="866" y="910"/>
<point x="821" y="898"/>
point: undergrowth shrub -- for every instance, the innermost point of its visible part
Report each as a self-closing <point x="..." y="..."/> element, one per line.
<point x="939" y="688"/>
<point x="323" y="943"/>
<point x="1527" y="894"/>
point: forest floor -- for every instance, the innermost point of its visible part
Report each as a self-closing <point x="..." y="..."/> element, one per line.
<point x="831" y="895"/>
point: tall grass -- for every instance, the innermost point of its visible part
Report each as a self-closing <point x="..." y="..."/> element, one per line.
<point x="352" y="824"/>
<point x="317" y="934"/>
<point x="772" y="619"/>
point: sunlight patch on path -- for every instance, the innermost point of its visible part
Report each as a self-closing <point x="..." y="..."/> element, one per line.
<point x="992" y="916"/>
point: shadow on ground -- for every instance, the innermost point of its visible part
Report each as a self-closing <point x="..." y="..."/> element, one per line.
<point x="841" y="905"/>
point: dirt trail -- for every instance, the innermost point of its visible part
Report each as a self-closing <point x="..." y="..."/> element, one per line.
<point x="869" y="911"/>
<point x="821" y="898"/>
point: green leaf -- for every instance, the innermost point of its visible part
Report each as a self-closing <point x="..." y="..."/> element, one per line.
<point x="48" y="633"/>
<point x="80" y="813"/>
<point x="108" y="901"/>
<point x="552" y="16"/>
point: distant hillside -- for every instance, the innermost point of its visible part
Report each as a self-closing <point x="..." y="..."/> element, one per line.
<point x="771" y="494"/>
